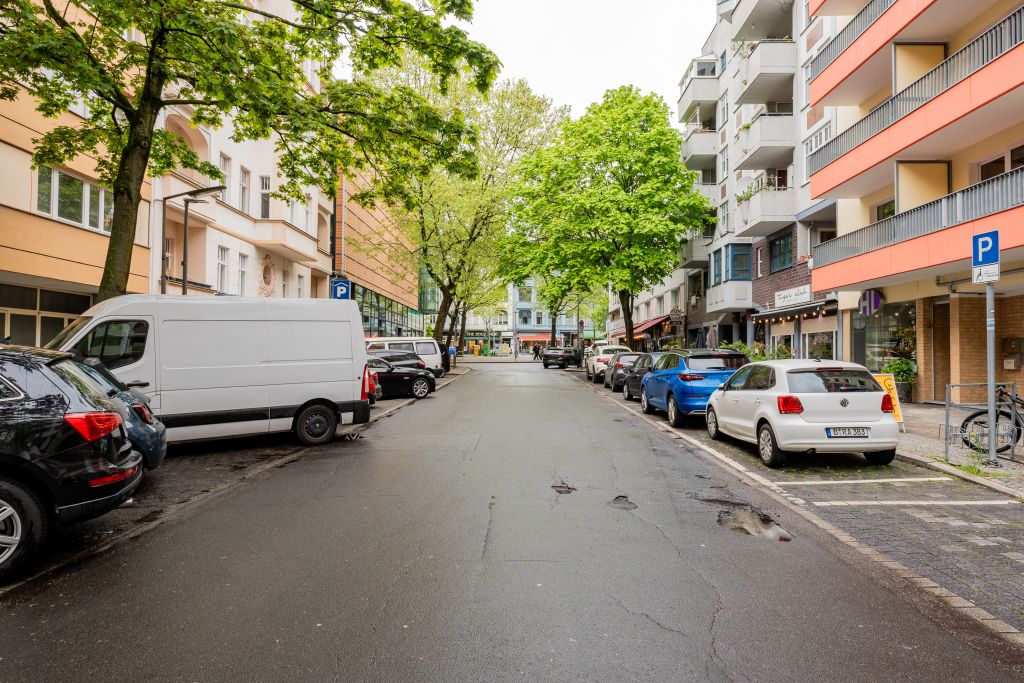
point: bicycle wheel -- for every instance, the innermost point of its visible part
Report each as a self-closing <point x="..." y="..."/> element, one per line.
<point x="974" y="431"/>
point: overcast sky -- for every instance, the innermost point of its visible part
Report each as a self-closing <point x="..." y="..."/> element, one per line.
<point x="574" y="50"/>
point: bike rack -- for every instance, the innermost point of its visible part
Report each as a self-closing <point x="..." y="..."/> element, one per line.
<point x="955" y="435"/>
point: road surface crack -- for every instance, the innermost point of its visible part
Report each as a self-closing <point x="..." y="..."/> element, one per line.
<point x="648" y="617"/>
<point x="487" y="534"/>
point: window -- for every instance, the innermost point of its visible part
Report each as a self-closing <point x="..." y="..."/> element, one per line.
<point x="761" y="378"/>
<point x="1010" y="160"/>
<point x="264" y="196"/>
<point x="669" y="360"/>
<point x="225" y="168"/>
<point x="222" y="269"/>
<point x="427" y="348"/>
<point x="306" y="219"/>
<point x="724" y="159"/>
<point x="721" y="63"/>
<point x="716" y="265"/>
<point x="70" y="198"/>
<point x="760" y="261"/>
<point x="284" y="283"/>
<point x="824" y="235"/>
<point x="540" y="318"/>
<point x="723" y="219"/>
<point x="401" y="346"/>
<point x="827" y="381"/>
<point x="300" y="286"/>
<point x="674" y="299"/>
<point x="7" y="391"/>
<point x="719" y="361"/>
<point x="44" y="189"/>
<point x="739" y="378"/>
<point x="524" y="317"/>
<point x="820" y="345"/>
<point x="503" y="318"/>
<point x="780" y="252"/>
<point x="243" y="190"/>
<point x="116" y="343"/>
<point x="243" y="267"/>
<point x="737" y="262"/>
<point x="73" y="199"/>
<point x="884" y="210"/>
<point x="526" y="294"/>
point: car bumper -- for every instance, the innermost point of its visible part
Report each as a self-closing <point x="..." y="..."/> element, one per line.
<point x="798" y="435"/>
<point x="692" y="403"/>
<point x="93" y="502"/>
<point x="599" y="368"/>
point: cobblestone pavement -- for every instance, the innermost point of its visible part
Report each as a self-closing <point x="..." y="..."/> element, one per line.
<point x="967" y="538"/>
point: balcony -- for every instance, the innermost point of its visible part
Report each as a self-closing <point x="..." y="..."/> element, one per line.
<point x="846" y="37"/>
<point x="284" y="239"/>
<point x="936" y="236"/>
<point x="768" y="142"/>
<point x="836" y="8"/>
<point x="958" y="103"/>
<point x="768" y="73"/>
<point x="733" y="295"/>
<point x="709" y="191"/>
<point x="694" y="253"/>
<point x="700" y="148"/>
<point x="757" y="19"/>
<point x="767" y="210"/>
<point x="699" y="93"/>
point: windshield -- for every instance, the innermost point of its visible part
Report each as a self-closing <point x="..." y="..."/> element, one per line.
<point x="830" y="380"/>
<point x="725" y="361"/>
<point x="67" y="333"/>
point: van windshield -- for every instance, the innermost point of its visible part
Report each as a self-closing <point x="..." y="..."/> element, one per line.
<point x="70" y="331"/>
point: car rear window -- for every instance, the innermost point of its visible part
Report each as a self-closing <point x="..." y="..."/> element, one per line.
<point x="628" y="357"/>
<point x="831" y="380"/>
<point x="427" y="348"/>
<point x="77" y="376"/>
<point x="724" y="361"/>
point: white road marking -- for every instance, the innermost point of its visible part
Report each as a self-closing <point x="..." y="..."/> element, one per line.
<point x="821" y="482"/>
<point x="845" y="503"/>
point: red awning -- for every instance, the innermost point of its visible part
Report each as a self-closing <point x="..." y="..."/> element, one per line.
<point x="643" y="327"/>
<point x="536" y="337"/>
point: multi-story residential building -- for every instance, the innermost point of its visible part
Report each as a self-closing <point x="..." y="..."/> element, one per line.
<point x="521" y="319"/>
<point x="929" y="151"/>
<point x="54" y="226"/>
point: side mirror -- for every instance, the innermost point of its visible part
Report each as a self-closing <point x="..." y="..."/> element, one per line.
<point x="722" y="387"/>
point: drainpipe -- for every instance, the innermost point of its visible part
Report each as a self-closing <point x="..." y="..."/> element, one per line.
<point x="344" y="224"/>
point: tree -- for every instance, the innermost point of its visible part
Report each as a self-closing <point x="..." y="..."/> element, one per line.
<point x="609" y="201"/>
<point x="227" y="60"/>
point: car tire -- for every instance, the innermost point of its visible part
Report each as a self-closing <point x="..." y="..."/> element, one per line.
<point x="625" y="392"/>
<point x="316" y="424"/>
<point x="712" y="422"/>
<point x="675" y="418"/>
<point x="881" y="458"/>
<point x="25" y="518"/>
<point x="545" y="366"/>
<point x="420" y="388"/>
<point x="563" y="366"/>
<point x="645" y="404"/>
<point x="587" y="370"/>
<point x="768" y="447"/>
<point x="597" y="379"/>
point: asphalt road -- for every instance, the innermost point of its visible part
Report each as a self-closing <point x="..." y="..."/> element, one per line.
<point x="435" y="549"/>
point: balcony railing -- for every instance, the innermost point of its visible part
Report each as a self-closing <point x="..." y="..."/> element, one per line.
<point x="845" y="38"/>
<point x="989" y="197"/>
<point x="986" y="48"/>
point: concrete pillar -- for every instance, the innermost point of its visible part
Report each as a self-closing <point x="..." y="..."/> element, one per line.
<point x="798" y="347"/>
<point x="924" y="389"/>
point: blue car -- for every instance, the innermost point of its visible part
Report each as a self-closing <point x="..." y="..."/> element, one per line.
<point x="683" y="381"/>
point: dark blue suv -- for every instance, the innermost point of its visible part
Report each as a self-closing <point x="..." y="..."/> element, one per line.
<point x="683" y="381"/>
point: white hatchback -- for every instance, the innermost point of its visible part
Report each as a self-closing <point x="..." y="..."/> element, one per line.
<point x="808" y="406"/>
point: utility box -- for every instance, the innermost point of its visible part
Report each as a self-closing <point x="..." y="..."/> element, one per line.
<point x="1013" y="349"/>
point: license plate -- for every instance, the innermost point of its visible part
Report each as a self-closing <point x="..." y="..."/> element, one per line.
<point x="847" y="432"/>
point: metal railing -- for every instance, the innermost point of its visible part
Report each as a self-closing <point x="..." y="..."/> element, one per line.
<point x="845" y="38"/>
<point x="988" y="197"/>
<point x="986" y="48"/>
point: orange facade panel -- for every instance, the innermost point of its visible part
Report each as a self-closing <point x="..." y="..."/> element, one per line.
<point x="936" y="249"/>
<point x="1001" y="77"/>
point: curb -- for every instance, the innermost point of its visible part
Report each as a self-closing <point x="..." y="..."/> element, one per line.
<point x="956" y="472"/>
<point x="196" y="501"/>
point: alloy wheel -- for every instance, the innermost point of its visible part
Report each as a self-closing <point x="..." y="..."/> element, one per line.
<point x="10" y="531"/>
<point x="712" y="422"/>
<point x="764" y="445"/>
<point x="672" y="417"/>
<point x="420" y="388"/>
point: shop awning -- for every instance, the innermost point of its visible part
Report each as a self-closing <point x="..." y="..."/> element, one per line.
<point x="809" y="309"/>
<point x="536" y="337"/>
<point x="643" y="327"/>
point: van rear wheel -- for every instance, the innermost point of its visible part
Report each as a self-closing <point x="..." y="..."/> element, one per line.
<point x="316" y="425"/>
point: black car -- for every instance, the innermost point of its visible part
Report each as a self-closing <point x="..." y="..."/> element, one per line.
<point x="395" y="380"/>
<point x="618" y="366"/>
<point x="561" y="356"/>
<point x="641" y="366"/>
<point x="403" y="359"/>
<point x="64" y="452"/>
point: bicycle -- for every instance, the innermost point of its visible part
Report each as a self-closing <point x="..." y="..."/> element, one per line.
<point x="974" y="429"/>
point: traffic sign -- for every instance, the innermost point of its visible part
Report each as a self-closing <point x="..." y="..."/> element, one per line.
<point x="341" y="289"/>
<point x="985" y="257"/>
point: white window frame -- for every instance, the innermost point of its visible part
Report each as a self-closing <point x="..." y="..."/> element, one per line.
<point x="300" y="286"/>
<point x="265" y="190"/>
<point x="244" y="177"/>
<point x="243" y="267"/>
<point x="104" y="195"/>
<point x="223" y="255"/>
<point x="225" y="168"/>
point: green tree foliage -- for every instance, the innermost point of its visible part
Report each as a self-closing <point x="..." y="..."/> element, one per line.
<point x="608" y="201"/>
<point x="230" y="62"/>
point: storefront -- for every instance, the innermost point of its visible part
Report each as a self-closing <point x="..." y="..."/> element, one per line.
<point x="882" y="331"/>
<point x="805" y="331"/>
<point x="33" y="316"/>
<point x="385" y="317"/>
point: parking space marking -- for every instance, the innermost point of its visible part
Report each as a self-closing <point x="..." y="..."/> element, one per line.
<point x="822" y="482"/>
<point x="975" y="503"/>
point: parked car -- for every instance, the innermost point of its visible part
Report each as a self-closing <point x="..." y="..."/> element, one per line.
<point x="683" y="381"/>
<point x="229" y="366"/>
<point x="64" y="453"/>
<point x="597" y="360"/>
<point x="424" y="347"/>
<point x="395" y="380"/>
<point x="618" y="366"/>
<point x="374" y="391"/>
<point x="403" y="359"/>
<point x="806" y="405"/>
<point x="560" y="356"/>
<point x="643" y="365"/>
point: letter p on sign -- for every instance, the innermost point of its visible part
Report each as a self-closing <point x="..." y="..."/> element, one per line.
<point x="986" y="249"/>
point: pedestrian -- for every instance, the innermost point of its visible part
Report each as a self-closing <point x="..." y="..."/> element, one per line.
<point x="536" y="351"/>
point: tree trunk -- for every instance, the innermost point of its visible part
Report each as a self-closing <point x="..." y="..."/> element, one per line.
<point x="442" y="315"/>
<point x="451" y="327"/>
<point x="553" y="328"/>
<point x="462" y="326"/>
<point x="626" y="303"/>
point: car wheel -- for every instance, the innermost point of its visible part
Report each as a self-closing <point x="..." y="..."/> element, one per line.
<point x="675" y="418"/>
<point x="545" y="366"/>
<point x="316" y="425"/>
<point x="626" y="396"/>
<point x="440" y="373"/>
<point x="420" y="388"/>
<point x="880" y="458"/>
<point x="563" y="366"/>
<point x="587" y="370"/>
<point x="768" y="447"/>
<point x="23" y="527"/>
<point x="645" y="405"/>
<point x="712" y="422"/>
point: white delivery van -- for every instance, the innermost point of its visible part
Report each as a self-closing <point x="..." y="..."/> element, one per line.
<point x="424" y="347"/>
<point x="229" y="366"/>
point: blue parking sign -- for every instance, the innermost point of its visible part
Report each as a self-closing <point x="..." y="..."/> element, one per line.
<point x="985" y="249"/>
<point x="341" y="289"/>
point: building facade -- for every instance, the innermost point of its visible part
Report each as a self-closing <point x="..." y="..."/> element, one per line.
<point x="929" y="152"/>
<point x="523" y="320"/>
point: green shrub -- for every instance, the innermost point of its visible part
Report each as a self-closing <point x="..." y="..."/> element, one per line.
<point x="901" y="369"/>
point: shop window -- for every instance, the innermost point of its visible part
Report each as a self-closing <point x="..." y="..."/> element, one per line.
<point x="885" y="335"/>
<point x="820" y="345"/>
<point x="780" y="252"/>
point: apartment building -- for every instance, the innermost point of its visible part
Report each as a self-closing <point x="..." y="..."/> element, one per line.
<point x="747" y="125"/>
<point x="522" y="318"/>
<point x="54" y="230"/>
<point x="929" y="151"/>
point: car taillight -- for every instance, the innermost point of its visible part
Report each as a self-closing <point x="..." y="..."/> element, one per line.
<point x="618" y="365"/>
<point x="790" y="405"/>
<point x="144" y="412"/>
<point x="687" y="377"/>
<point x="93" y="426"/>
<point x="366" y="383"/>
<point x="421" y="365"/>
<point x="887" y="406"/>
<point x="111" y="478"/>
<point x="601" y="359"/>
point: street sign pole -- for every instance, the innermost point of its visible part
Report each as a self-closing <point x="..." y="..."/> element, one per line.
<point x="985" y="262"/>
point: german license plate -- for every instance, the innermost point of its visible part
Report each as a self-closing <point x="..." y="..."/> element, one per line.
<point x="847" y="432"/>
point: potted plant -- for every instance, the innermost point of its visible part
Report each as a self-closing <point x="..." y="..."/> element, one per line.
<point x="904" y="374"/>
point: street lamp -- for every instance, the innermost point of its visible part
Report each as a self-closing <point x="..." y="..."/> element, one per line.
<point x="191" y="197"/>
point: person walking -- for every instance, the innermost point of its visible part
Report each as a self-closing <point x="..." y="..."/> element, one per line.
<point x="536" y="351"/>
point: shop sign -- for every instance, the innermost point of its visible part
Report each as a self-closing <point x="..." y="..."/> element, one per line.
<point x="871" y="302"/>
<point x="790" y="297"/>
<point x="676" y="315"/>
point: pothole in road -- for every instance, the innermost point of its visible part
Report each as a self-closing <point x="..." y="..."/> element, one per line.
<point x="622" y="502"/>
<point x="562" y="488"/>
<point x="753" y="522"/>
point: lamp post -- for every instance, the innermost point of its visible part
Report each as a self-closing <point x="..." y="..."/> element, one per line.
<point x="192" y="196"/>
